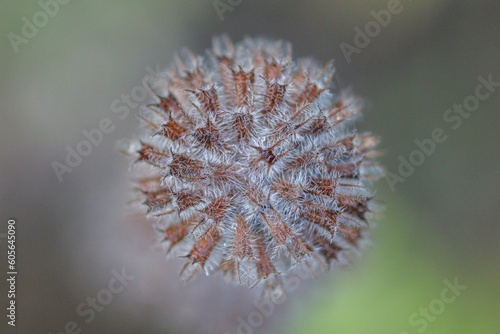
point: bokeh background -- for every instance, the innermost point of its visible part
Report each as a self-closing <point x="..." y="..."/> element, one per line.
<point x="442" y="223"/>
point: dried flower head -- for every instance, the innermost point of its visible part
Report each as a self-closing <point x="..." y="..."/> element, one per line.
<point x="252" y="164"/>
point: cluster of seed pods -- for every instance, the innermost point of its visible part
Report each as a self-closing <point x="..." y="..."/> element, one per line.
<point x="251" y="163"/>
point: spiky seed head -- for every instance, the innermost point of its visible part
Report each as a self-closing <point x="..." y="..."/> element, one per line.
<point x="251" y="163"/>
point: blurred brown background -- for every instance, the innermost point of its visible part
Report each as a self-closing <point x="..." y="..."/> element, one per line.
<point x="441" y="223"/>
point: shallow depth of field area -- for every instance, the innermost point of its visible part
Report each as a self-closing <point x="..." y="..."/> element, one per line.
<point x="429" y="77"/>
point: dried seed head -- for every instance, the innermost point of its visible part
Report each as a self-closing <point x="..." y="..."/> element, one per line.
<point x="252" y="163"/>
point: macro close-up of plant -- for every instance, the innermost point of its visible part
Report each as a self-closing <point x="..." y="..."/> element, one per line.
<point x="249" y="167"/>
<point x="254" y="164"/>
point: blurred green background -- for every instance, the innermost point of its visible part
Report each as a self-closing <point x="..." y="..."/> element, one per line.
<point x="441" y="224"/>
